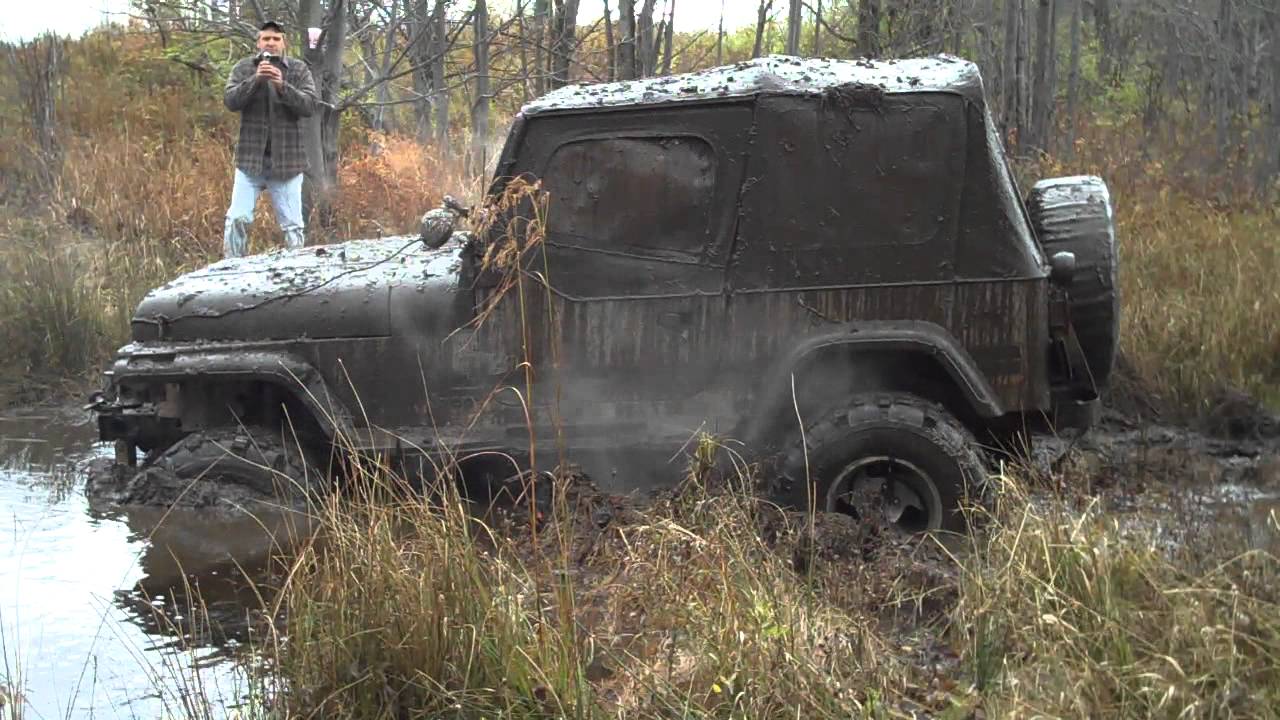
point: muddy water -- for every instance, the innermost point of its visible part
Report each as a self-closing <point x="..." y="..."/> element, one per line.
<point x="97" y="613"/>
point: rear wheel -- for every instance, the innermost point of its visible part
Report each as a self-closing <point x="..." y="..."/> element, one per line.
<point x="904" y="459"/>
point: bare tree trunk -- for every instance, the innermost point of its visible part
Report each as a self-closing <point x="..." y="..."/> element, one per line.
<point x="38" y="67"/>
<point x="1024" y="67"/>
<point x="1238" y="89"/>
<point x="627" y="41"/>
<point x="720" y="37"/>
<point x="439" y="91"/>
<point x="480" y="104"/>
<point x="423" y="82"/>
<point x="762" y="17"/>
<point x="668" y="37"/>
<point x="1009" y="70"/>
<point x="1106" y="39"/>
<point x="1051" y="107"/>
<point x="647" y="41"/>
<point x="610" y="47"/>
<point x="817" y="30"/>
<point x="1267" y="174"/>
<point x="565" y="26"/>
<point x="1222" y="103"/>
<point x="389" y="53"/>
<point x="383" y="116"/>
<point x="1042" y="81"/>
<point x="984" y="38"/>
<point x="954" y="26"/>
<point x="526" y="72"/>
<point x="320" y="132"/>
<point x="794" y="19"/>
<point x="540" y="27"/>
<point x="161" y="29"/>
<point x="869" y="28"/>
<point x="921" y="23"/>
<point x="1073" y="75"/>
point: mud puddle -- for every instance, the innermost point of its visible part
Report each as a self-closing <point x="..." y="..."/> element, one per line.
<point x="1181" y="482"/>
<point x="123" y="614"/>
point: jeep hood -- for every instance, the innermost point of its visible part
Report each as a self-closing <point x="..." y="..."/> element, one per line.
<point x="330" y="291"/>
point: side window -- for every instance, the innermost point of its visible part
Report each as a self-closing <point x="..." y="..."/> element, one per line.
<point x="650" y="196"/>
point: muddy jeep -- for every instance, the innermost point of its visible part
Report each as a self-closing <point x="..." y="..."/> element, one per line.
<point x="826" y="260"/>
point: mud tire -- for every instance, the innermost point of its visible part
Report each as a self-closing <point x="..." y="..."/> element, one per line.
<point x="1075" y="214"/>
<point x="896" y="425"/>
<point x="231" y="467"/>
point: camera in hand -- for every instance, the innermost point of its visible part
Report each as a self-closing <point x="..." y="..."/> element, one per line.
<point x="272" y="58"/>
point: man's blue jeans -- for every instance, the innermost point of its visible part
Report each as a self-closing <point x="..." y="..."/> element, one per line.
<point x="286" y="197"/>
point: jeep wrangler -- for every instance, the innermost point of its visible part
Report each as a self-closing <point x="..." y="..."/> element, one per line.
<point x="826" y="260"/>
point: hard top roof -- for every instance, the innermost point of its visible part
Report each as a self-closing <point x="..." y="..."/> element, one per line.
<point x="774" y="74"/>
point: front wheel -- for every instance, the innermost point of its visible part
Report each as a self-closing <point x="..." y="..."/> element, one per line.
<point x="230" y="468"/>
<point x="894" y="454"/>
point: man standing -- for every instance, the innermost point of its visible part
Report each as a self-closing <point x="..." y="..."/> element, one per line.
<point x="272" y="93"/>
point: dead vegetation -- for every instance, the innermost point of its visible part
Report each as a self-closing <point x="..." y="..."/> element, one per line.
<point x="705" y="602"/>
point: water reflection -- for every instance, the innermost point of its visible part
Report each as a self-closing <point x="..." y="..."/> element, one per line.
<point x="209" y="581"/>
<point x="114" y="614"/>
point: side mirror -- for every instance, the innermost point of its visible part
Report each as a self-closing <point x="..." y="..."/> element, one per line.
<point x="457" y="207"/>
<point x="437" y="227"/>
<point x="1062" y="267"/>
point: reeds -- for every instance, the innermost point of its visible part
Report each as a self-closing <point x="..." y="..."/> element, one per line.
<point x="694" y="605"/>
<point x="1086" y="613"/>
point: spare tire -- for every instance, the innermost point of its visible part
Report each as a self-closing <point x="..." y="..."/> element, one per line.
<point x="1075" y="214"/>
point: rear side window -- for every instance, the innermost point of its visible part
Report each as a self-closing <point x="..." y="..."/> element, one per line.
<point x="851" y="192"/>
<point x="649" y="196"/>
<point x="891" y="172"/>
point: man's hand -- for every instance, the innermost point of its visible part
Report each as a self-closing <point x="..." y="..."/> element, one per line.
<point x="271" y="73"/>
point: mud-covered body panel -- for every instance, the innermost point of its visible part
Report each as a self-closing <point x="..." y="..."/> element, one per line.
<point x="706" y="361"/>
<point x="330" y="291"/>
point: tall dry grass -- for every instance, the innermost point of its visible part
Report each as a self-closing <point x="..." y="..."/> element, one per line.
<point x="423" y="608"/>
<point x="1067" y="612"/>
<point x="711" y="604"/>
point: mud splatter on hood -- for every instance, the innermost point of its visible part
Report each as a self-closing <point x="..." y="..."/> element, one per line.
<point x="328" y="291"/>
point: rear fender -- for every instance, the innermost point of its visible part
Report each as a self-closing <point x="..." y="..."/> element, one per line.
<point x="899" y="343"/>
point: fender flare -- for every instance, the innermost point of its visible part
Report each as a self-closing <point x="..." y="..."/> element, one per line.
<point x="285" y="369"/>
<point x="915" y="337"/>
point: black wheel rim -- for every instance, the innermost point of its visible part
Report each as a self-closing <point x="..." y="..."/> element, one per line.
<point x="901" y="492"/>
